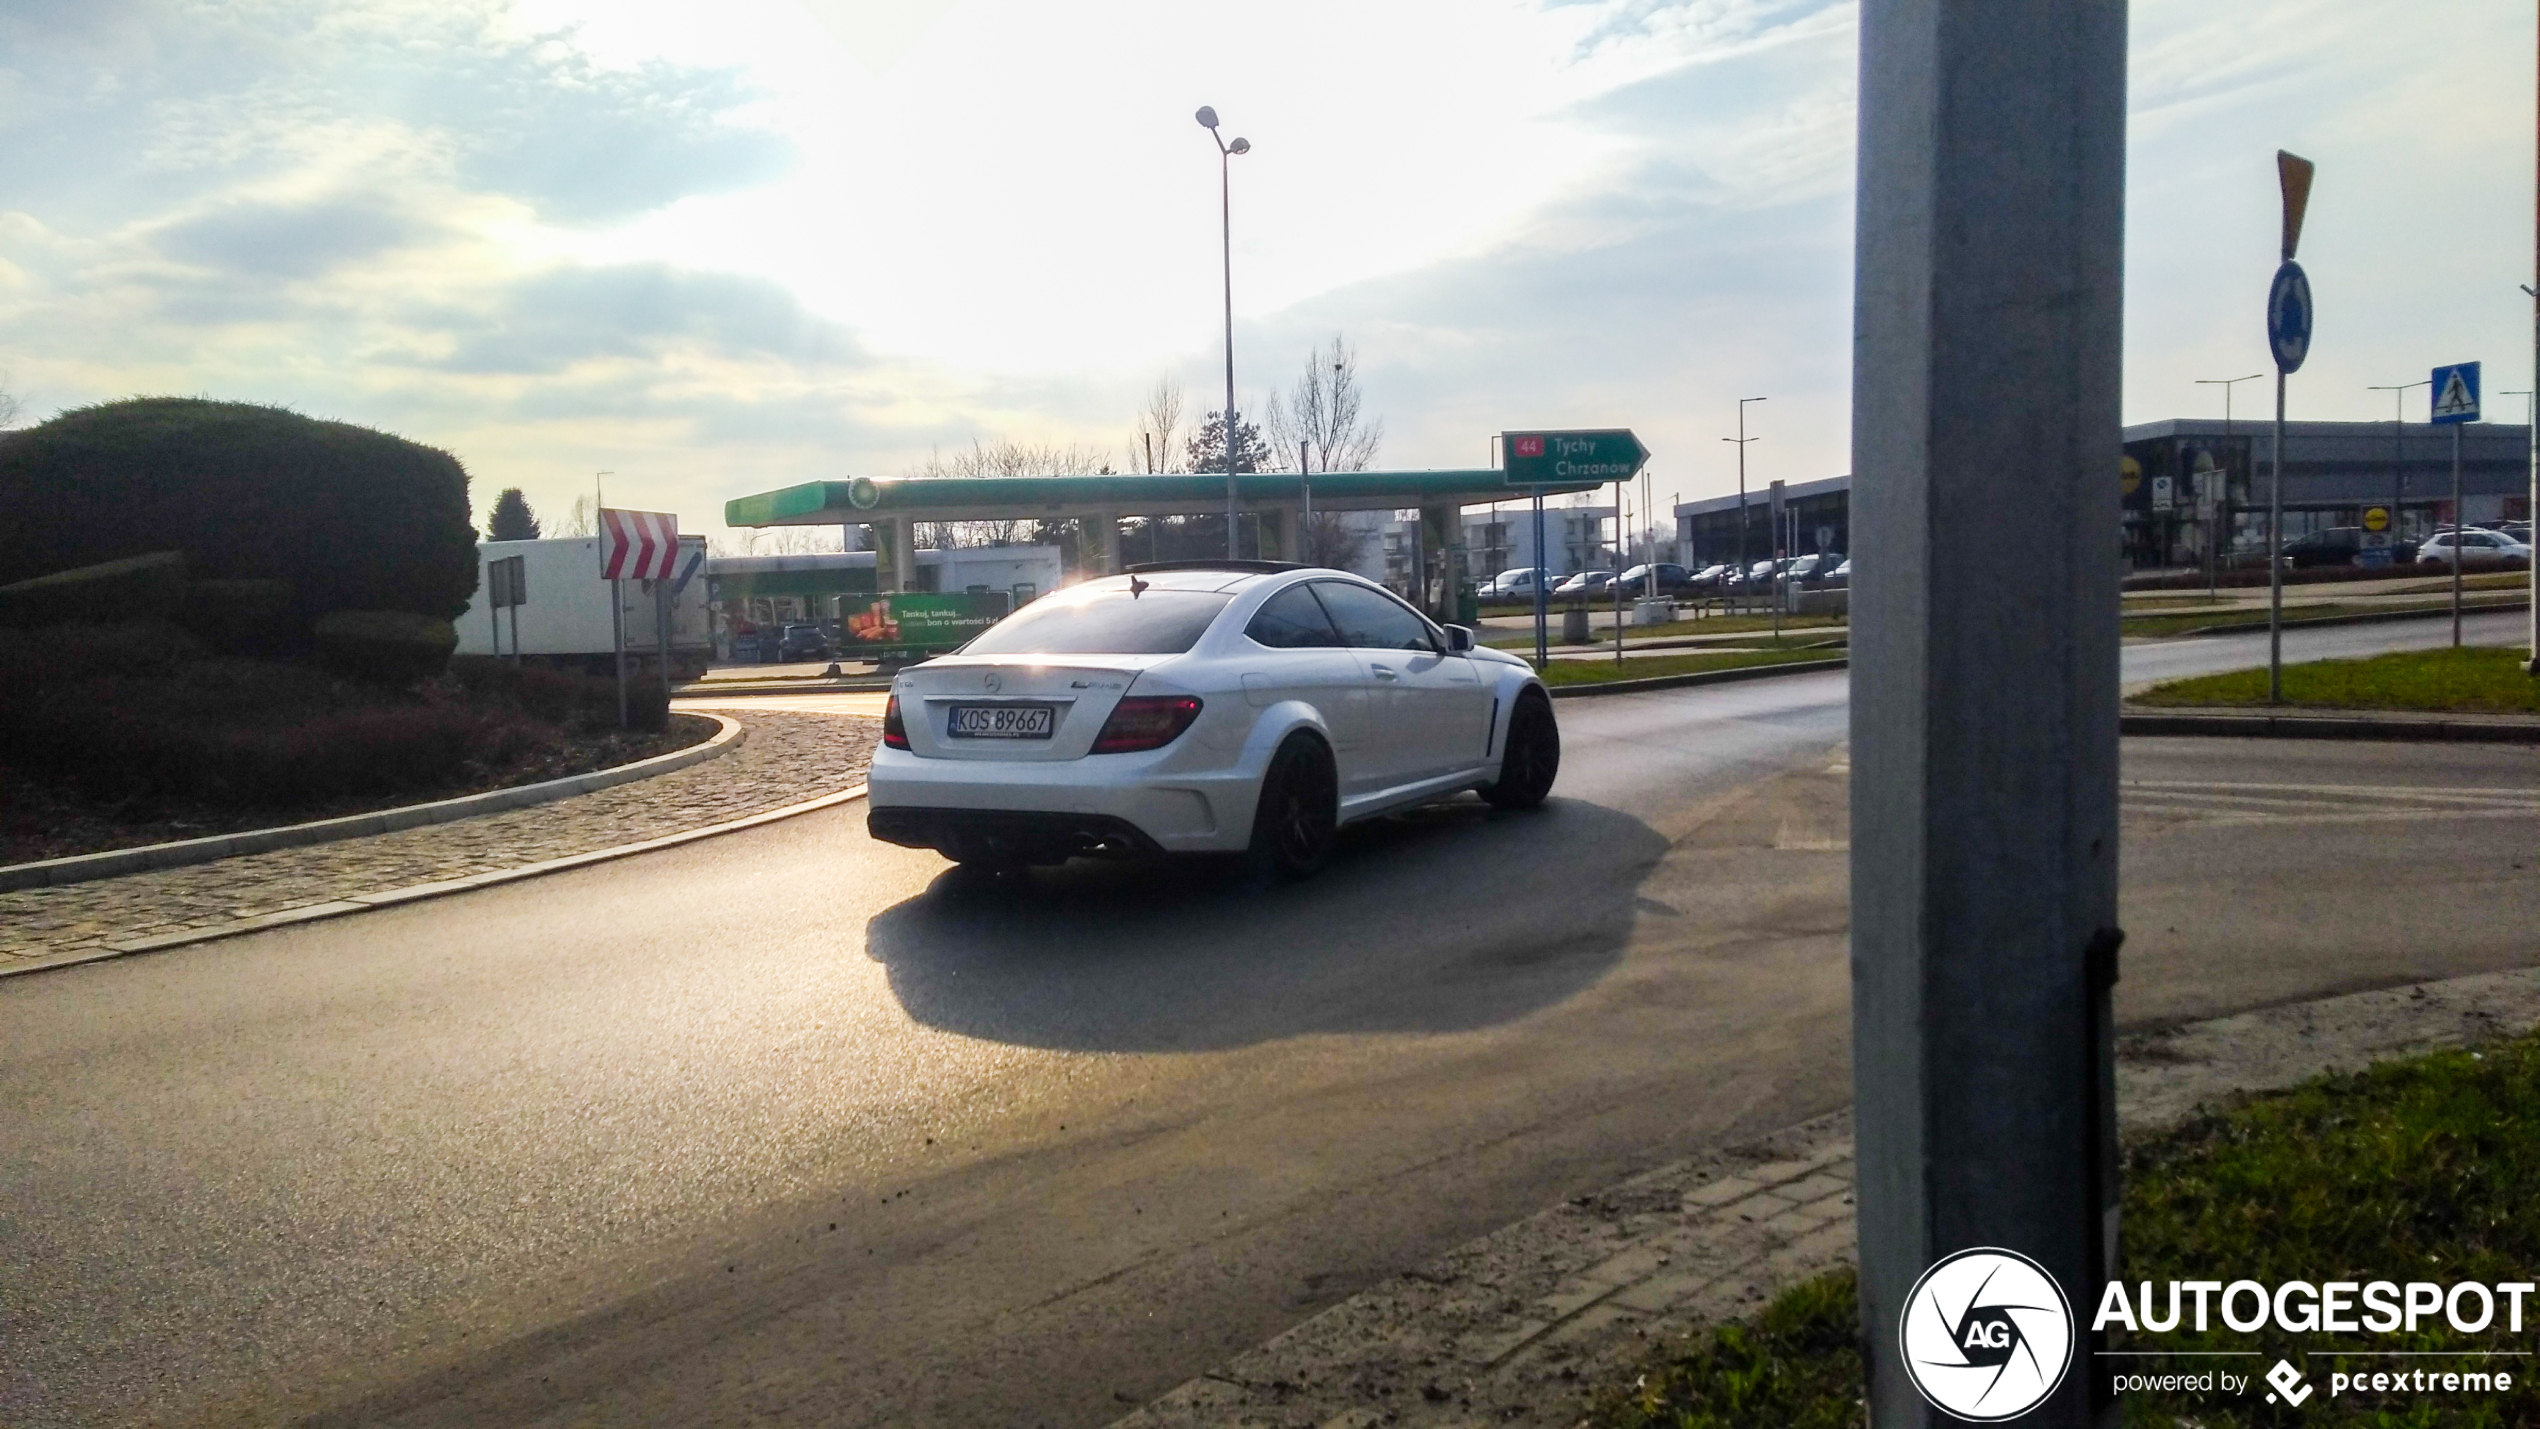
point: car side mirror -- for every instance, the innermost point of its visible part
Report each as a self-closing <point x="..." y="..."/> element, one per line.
<point x="1459" y="638"/>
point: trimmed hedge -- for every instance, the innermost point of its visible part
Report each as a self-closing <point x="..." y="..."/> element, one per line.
<point x="355" y="519"/>
<point x="384" y="647"/>
<point x="245" y="617"/>
<point x="150" y="587"/>
<point x="139" y="713"/>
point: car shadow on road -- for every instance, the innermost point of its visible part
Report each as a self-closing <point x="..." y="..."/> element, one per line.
<point x="1440" y="920"/>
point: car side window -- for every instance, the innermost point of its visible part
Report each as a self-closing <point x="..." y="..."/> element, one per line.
<point x="1372" y="620"/>
<point x="1293" y="620"/>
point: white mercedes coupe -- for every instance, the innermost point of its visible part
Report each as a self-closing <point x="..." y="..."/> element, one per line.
<point x="1247" y="707"/>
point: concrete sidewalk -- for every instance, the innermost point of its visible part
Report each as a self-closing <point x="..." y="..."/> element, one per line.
<point x="1526" y="1326"/>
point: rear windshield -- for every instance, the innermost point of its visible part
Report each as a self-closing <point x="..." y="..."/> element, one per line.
<point x="1104" y="622"/>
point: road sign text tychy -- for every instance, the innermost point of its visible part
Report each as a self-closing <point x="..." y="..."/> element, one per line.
<point x="1544" y="458"/>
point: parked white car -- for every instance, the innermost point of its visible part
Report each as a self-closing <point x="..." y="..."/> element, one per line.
<point x="1511" y="583"/>
<point x="2474" y="543"/>
<point x="1198" y="707"/>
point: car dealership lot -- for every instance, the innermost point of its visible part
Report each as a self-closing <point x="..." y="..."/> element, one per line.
<point x="574" y="1147"/>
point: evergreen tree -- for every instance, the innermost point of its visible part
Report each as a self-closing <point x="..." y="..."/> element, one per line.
<point x="1208" y="447"/>
<point x="511" y="519"/>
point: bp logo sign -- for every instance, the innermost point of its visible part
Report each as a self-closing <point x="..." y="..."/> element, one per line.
<point x="1987" y="1334"/>
<point x="864" y="493"/>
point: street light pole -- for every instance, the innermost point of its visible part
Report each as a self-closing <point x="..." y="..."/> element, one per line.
<point x="2399" y="451"/>
<point x="2223" y="503"/>
<point x="1742" y="439"/>
<point x="1226" y="218"/>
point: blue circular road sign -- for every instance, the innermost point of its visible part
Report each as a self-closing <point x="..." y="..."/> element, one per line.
<point x="2289" y="317"/>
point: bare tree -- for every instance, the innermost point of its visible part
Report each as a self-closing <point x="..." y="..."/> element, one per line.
<point x="1318" y="425"/>
<point x="1335" y="541"/>
<point x="10" y="407"/>
<point x="1003" y="457"/>
<point x="581" y="519"/>
<point x="1159" y="435"/>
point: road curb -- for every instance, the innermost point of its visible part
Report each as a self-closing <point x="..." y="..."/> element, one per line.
<point x="416" y="893"/>
<point x="867" y="686"/>
<point x="2428" y="731"/>
<point x="2369" y="617"/>
<point x="1698" y="677"/>
<point x="115" y="863"/>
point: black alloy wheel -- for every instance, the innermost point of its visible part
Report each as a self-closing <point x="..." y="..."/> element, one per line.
<point x="1298" y="819"/>
<point x="1532" y="759"/>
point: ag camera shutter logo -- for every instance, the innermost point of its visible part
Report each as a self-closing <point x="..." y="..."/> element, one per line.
<point x="1987" y="1334"/>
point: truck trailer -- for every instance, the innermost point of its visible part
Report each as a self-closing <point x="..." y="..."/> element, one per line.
<point x="563" y="618"/>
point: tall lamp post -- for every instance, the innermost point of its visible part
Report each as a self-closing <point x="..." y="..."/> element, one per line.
<point x="1226" y="218"/>
<point x="2223" y="502"/>
<point x="2399" y="448"/>
<point x="1742" y="439"/>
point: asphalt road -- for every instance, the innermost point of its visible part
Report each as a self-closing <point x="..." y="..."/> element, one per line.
<point x="790" y="1127"/>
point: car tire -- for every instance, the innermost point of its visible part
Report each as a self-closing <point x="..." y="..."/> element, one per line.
<point x="1297" y="819"/>
<point x="1532" y="758"/>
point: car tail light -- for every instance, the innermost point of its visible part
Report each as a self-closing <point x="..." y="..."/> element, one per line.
<point x="1146" y="722"/>
<point x="894" y="729"/>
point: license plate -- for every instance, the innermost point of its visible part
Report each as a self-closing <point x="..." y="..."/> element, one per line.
<point x="1002" y="721"/>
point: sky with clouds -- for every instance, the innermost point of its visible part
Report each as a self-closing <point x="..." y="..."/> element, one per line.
<point x="719" y="249"/>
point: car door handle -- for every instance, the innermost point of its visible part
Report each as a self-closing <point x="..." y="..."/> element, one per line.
<point x="1383" y="672"/>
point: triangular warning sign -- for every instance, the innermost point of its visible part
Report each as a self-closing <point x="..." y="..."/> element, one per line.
<point x="2454" y="400"/>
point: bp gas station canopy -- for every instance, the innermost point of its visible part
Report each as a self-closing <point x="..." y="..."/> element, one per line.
<point x="889" y="504"/>
<point x="875" y="500"/>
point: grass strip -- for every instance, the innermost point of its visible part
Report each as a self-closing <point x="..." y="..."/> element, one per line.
<point x="1562" y="673"/>
<point x="1709" y="625"/>
<point x="2255" y="617"/>
<point x="2475" y="679"/>
<point x="2417" y="1169"/>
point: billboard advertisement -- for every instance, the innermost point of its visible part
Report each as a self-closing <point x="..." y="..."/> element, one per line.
<point x="929" y="621"/>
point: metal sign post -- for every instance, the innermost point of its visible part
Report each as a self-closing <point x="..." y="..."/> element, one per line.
<point x="1543" y="580"/>
<point x="2289" y="336"/>
<point x="1618" y="574"/>
<point x="520" y="597"/>
<point x="494" y="607"/>
<point x="1773" y="583"/>
<point x="635" y="545"/>
<point x="2455" y="395"/>
<point x="1537" y="458"/>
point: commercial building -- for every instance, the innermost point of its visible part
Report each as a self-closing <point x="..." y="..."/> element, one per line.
<point x="1816" y="516"/>
<point x="2187" y="484"/>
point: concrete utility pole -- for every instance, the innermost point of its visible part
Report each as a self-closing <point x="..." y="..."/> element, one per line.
<point x="2531" y="666"/>
<point x="2531" y="429"/>
<point x="1989" y="253"/>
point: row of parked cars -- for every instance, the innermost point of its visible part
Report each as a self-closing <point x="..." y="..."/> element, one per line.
<point x="2507" y="541"/>
<point x="1828" y="570"/>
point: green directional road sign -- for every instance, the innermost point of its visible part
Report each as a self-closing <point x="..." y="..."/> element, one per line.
<point x="1543" y="458"/>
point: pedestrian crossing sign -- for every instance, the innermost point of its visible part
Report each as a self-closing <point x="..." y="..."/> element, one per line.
<point x="2456" y="393"/>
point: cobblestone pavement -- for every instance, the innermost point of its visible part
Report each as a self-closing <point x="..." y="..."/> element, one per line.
<point x="1526" y="1325"/>
<point x="785" y="757"/>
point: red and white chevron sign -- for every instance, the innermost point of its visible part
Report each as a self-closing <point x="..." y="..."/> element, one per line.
<point x="638" y="545"/>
